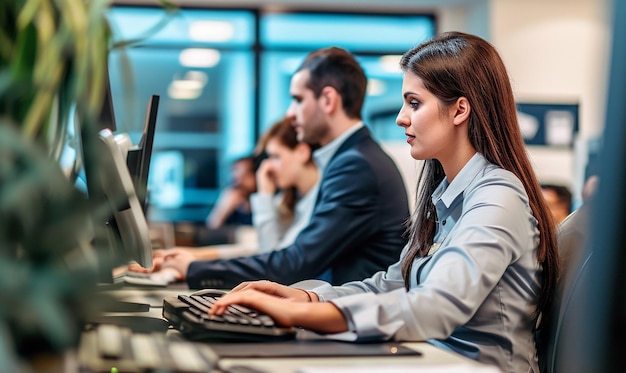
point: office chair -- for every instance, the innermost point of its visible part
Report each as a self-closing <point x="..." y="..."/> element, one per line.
<point x="575" y="258"/>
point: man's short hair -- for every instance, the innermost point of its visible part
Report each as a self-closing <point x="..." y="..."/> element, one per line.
<point x="336" y="67"/>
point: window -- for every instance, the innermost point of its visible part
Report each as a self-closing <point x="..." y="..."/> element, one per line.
<point x="223" y="77"/>
<point x="378" y="41"/>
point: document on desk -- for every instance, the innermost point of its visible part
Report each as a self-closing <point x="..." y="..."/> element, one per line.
<point x="401" y="368"/>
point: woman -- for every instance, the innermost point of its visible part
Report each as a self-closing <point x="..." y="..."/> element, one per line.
<point x="287" y="183"/>
<point x="482" y="262"/>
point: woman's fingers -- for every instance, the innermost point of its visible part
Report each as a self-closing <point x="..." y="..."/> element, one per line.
<point x="273" y="288"/>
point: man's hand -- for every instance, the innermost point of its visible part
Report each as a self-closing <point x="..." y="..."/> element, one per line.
<point x="229" y="200"/>
<point x="178" y="260"/>
<point x="157" y="260"/>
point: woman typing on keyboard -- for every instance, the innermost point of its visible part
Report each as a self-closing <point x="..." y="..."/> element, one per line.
<point x="481" y="262"/>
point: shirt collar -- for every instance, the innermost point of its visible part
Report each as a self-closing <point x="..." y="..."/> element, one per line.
<point x="447" y="193"/>
<point x="323" y="155"/>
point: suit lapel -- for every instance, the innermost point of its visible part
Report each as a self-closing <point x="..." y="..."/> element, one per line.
<point x="357" y="137"/>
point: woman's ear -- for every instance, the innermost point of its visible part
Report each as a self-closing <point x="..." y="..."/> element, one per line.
<point x="461" y="111"/>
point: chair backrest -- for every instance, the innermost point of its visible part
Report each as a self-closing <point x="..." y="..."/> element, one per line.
<point x="575" y="256"/>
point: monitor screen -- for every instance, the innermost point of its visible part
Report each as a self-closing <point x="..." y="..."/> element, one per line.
<point x="138" y="158"/>
<point x="107" y="114"/>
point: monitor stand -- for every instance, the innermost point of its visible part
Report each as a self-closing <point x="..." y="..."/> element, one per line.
<point x="125" y="305"/>
<point x="119" y="309"/>
<point x="138" y="322"/>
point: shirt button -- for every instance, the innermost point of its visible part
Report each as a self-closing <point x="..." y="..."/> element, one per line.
<point x="443" y="222"/>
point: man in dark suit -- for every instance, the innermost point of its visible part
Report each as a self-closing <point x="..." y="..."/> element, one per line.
<point x="358" y="221"/>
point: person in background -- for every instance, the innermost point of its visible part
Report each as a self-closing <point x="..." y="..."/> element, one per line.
<point x="287" y="181"/>
<point x="233" y="204"/>
<point x="482" y="261"/>
<point x="559" y="200"/>
<point x="590" y="187"/>
<point x="361" y="208"/>
<point x="572" y="243"/>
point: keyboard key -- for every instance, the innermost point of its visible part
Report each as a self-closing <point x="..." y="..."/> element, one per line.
<point x="266" y="320"/>
<point x="186" y="358"/>
<point x="145" y="350"/>
<point x="193" y="302"/>
<point x="243" y="309"/>
<point x="141" y="352"/>
<point x="109" y="339"/>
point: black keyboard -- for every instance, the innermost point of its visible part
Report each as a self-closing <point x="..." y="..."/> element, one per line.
<point x="190" y="315"/>
<point x="109" y="345"/>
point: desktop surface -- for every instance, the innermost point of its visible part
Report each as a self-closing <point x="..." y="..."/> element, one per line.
<point x="129" y="351"/>
<point x="311" y="352"/>
<point x="151" y="296"/>
<point x="307" y="353"/>
<point x="430" y="359"/>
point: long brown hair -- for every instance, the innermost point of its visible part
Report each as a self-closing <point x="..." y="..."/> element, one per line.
<point x="286" y="134"/>
<point x="455" y="65"/>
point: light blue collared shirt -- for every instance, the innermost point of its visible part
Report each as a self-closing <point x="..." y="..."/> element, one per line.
<point x="323" y="155"/>
<point x="477" y="292"/>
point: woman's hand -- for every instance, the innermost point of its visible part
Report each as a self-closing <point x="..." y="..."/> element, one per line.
<point x="264" y="180"/>
<point x="277" y="290"/>
<point x="321" y="317"/>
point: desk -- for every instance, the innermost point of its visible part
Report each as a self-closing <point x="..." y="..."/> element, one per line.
<point x="432" y="359"/>
<point x="151" y="296"/>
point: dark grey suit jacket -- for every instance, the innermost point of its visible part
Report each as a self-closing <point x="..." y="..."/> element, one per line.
<point x="356" y="228"/>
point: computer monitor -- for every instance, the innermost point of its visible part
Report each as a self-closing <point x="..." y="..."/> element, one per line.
<point x="116" y="183"/>
<point x="107" y="114"/>
<point x="127" y="229"/>
<point x="138" y="158"/>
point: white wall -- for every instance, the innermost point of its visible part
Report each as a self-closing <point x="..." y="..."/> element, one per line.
<point x="409" y="167"/>
<point x="557" y="51"/>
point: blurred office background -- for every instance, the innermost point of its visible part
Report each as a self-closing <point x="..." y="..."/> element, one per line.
<point x="222" y="69"/>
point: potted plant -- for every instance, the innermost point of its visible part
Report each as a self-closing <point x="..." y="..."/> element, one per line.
<point x="53" y="57"/>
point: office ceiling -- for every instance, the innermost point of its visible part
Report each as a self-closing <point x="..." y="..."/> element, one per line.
<point x="347" y="5"/>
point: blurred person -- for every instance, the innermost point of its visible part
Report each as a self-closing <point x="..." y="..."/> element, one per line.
<point x="233" y="204"/>
<point x="590" y="187"/>
<point x="482" y="263"/>
<point x="559" y="200"/>
<point x="361" y="208"/>
<point x="287" y="181"/>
